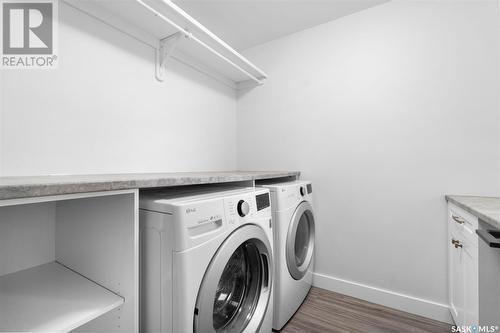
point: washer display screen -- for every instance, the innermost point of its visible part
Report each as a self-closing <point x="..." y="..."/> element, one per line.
<point x="262" y="201"/>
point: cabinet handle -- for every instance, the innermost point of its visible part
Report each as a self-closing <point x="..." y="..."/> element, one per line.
<point x="456" y="243"/>
<point x="457" y="219"/>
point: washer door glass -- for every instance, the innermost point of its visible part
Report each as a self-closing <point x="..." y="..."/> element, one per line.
<point x="300" y="241"/>
<point x="236" y="288"/>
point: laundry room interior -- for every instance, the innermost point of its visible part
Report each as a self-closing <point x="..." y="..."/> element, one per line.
<point x="244" y="166"/>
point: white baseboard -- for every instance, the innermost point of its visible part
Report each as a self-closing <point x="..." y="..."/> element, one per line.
<point x="415" y="305"/>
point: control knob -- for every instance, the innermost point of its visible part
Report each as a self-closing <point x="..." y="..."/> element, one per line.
<point x="243" y="208"/>
<point x="302" y="191"/>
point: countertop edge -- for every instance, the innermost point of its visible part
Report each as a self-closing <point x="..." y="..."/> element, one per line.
<point x="66" y="187"/>
<point x="483" y="217"/>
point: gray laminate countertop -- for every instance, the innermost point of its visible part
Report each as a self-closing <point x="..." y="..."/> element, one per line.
<point x="36" y="186"/>
<point x="486" y="209"/>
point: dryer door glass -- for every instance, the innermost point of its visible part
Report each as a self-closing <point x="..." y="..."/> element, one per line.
<point x="300" y="241"/>
<point x="235" y="290"/>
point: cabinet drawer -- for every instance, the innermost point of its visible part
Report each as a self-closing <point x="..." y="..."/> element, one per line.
<point x="462" y="223"/>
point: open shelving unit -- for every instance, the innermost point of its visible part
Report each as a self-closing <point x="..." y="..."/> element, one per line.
<point x="51" y="298"/>
<point x="70" y="263"/>
<point x="174" y="33"/>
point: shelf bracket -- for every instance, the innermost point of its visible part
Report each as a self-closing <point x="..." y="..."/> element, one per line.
<point x="164" y="51"/>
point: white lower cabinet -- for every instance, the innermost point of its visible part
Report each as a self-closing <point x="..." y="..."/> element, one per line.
<point x="463" y="266"/>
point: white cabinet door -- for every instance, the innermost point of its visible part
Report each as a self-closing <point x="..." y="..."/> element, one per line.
<point x="471" y="290"/>
<point x="456" y="281"/>
<point x="463" y="268"/>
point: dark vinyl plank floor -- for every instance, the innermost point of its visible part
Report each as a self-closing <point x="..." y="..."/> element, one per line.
<point x="326" y="311"/>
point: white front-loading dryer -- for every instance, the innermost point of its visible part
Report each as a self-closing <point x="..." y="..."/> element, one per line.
<point x="206" y="261"/>
<point x="294" y="230"/>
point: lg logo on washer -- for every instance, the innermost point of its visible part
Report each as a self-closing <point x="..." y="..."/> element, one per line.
<point x="190" y="210"/>
<point x="29" y="34"/>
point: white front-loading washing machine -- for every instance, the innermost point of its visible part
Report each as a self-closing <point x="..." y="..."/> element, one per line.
<point x="206" y="261"/>
<point x="293" y="247"/>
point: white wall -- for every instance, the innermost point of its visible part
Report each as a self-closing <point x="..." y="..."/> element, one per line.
<point x="386" y="111"/>
<point x="1" y="120"/>
<point x="103" y="111"/>
<point x="28" y="233"/>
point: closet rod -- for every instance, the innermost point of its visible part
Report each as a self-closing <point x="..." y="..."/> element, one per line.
<point x="191" y="36"/>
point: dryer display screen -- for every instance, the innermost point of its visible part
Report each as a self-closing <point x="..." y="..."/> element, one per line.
<point x="309" y="188"/>
<point x="262" y="201"/>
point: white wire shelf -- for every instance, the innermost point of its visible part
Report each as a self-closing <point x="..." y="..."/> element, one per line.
<point x="165" y="26"/>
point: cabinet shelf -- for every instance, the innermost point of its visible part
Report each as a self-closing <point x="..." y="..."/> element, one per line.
<point x="51" y="298"/>
<point x="159" y="22"/>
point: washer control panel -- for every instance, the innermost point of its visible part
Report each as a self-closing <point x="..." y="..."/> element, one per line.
<point x="250" y="205"/>
<point x="238" y="208"/>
